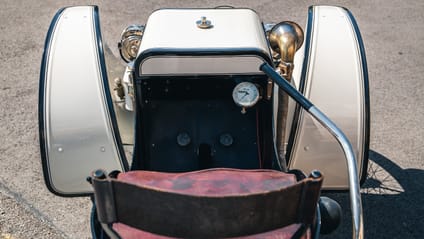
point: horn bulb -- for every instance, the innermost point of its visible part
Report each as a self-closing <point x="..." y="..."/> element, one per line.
<point x="286" y="38"/>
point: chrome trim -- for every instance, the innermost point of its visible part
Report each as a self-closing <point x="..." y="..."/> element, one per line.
<point x="355" y="194"/>
<point x="131" y="38"/>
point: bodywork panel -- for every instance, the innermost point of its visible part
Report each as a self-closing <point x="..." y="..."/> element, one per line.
<point x="334" y="77"/>
<point x="78" y="130"/>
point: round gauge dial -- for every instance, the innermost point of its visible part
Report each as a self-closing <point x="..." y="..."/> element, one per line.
<point x="246" y="94"/>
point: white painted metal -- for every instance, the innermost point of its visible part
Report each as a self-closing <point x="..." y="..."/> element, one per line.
<point x="127" y="82"/>
<point x="79" y="134"/>
<point x="335" y="84"/>
<point x="176" y="29"/>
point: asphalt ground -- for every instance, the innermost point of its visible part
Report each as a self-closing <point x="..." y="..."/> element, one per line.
<point x="393" y="34"/>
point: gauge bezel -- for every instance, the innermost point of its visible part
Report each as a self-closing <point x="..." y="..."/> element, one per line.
<point x="252" y="102"/>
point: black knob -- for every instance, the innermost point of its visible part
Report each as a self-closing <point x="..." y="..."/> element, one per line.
<point x="331" y="215"/>
<point x="99" y="174"/>
<point x="315" y="174"/>
<point x="226" y="140"/>
<point x="183" y="139"/>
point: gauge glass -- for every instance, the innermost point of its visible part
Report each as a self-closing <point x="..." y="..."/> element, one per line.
<point x="246" y="94"/>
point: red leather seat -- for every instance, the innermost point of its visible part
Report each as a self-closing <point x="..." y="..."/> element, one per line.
<point x="229" y="203"/>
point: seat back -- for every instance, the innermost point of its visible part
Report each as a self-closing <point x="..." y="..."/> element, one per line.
<point x="212" y="203"/>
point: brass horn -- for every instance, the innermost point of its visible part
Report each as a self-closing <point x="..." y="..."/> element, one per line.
<point x="285" y="39"/>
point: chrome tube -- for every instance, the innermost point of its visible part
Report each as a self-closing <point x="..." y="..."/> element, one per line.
<point x="355" y="194"/>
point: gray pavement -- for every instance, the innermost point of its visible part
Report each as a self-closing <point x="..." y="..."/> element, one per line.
<point x="393" y="33"/>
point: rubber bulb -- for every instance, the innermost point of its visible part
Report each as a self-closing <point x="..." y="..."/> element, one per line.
<point x="331" y="215"/>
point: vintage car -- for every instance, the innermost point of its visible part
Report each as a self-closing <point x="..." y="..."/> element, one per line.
<point x="206" y="126"/>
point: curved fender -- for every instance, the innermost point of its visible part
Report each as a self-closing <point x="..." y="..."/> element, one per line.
<point x="334" y="77"/>
<point x="78" y="128"/>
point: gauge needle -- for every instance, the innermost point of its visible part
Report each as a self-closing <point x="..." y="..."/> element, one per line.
<point x="245" y="93"/>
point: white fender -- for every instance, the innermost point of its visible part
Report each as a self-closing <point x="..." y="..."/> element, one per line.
<point x="78" y="128"/>
<point x="332" y="73"/>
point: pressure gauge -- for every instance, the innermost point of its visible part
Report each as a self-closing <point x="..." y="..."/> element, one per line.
<point x="245" y="95"/>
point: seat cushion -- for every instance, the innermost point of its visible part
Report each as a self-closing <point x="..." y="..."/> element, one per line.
<point x="211" y="182"/>
<point x="288" y="232"/>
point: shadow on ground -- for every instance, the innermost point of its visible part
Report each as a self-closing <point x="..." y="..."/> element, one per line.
<point x="393" y="201"/>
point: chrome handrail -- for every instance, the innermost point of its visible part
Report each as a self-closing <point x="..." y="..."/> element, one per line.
<point x="354" y="189"/>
